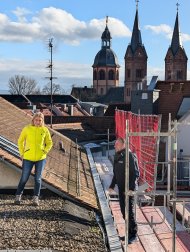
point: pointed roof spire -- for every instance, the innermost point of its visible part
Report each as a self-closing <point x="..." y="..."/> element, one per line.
<point x="136" y="34"/>
<point x="137" y="3"/>
<point x="176" y="38"/>
<point x="106" y="20"/>
<point x="106" y="36"/>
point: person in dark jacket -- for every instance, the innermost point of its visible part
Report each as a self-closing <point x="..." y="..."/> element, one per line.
<point x="119" y="179"/>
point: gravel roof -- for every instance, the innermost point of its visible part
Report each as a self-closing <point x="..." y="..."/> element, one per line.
<point x="56" y="224"/>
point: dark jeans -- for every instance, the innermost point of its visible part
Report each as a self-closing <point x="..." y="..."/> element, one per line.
<point x="132" y="221"/>
<point x="27" y="166"/>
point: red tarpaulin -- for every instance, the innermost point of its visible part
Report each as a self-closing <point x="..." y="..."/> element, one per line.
<point x="145" y="147"/>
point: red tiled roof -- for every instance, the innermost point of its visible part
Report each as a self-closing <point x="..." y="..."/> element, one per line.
<point x="61" y="169"/>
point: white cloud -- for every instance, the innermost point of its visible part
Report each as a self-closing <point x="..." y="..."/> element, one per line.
<point x="57" y="23"/>
<point x="166" y="30"/>
<point x="185" y="37"/>
<point x="160" y="29"/>
<point x="21" y="13"/>
<point x="157" y="71"/>
<point x="163" y="29"/>
<point x="116" y="27"/>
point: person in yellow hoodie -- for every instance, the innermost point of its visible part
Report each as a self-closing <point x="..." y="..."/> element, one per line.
<point x="34" y="143"/>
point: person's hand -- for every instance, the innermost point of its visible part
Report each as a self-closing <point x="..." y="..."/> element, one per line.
<point x="110" y="191"/>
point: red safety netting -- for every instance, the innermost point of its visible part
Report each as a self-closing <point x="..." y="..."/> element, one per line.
<point x="146" y="147"/>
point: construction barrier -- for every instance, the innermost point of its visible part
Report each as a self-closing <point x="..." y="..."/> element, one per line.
<point x="145" y="147"/>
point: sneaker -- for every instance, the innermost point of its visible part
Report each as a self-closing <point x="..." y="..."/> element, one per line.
<point x="36" y="201"/>
<point x="132" y="239"/>
<point x="17" y="200"/>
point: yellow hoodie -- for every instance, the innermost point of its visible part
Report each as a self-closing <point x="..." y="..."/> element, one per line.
<point x="34" y="142"/>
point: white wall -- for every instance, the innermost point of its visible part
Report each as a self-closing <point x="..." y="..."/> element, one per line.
<point x="9" y="178"/>
<point x="183" y="137"/>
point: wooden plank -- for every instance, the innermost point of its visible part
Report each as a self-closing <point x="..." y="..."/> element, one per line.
<point x="120" y="224"/>
<point x="163" y="231"/>
<point x="169" y="218"/>
<point x="135" y="247"/>
<point x="188" y="207"/>
<point x="179" y="209"/>
<point x="146" y="235"/>
<point x="184" y="239"/>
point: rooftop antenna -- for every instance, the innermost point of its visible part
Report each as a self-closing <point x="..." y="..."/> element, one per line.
<point x="50" y="66"/>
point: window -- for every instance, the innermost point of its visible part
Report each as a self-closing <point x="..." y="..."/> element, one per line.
<point x="144" y="96"/>
<point x="95" y="75"/>
<point x="128" y="92"/>
<point x="169" y="74"/>
<point x="101" y="75"/>
<point x="128" y="73"/>
<point x="117" y="75"/>
<point x="179" y="75"/>
<point x="111" y="75"/>
<point x="101" y="91"/>
<point x="139" y="73"/>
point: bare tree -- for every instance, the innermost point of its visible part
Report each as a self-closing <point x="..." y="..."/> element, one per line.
<point x="19" y="84"/>
<point x="56" y="89"/>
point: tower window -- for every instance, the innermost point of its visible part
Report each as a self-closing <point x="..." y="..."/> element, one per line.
<point x="128" y="73"/>
<point x="117" y="75"/>
<point x="111" y="75"/>
<point x="101" y="75"/>
<point x="169" y="75"/>
<point x="179" y="75"/>
<point x="139" y="73"/>
<point x="95" y="75"/>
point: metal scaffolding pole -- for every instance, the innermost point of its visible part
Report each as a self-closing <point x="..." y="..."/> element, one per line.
<point x="169" y="159"/>
<point x="126" y="186"/>
<point x="174" y="186"/>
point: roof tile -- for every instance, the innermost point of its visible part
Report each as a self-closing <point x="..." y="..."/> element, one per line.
<point x="61" y="168"/>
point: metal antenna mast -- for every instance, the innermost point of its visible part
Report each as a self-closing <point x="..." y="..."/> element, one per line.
<point x="51" y="74"/>
<point x="50" y="66"/>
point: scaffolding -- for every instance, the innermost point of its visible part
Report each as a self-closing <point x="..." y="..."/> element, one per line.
<point x="170" y="195"/>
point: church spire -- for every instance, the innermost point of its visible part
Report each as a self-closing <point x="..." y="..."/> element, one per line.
<point x="176" y="58"/>
<point x="176" y="38"/>
<point x="106" y="36"/>
<point x="136" y="34"/>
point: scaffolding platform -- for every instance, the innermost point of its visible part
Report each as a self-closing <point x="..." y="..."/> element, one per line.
<point x="151" y="237"/>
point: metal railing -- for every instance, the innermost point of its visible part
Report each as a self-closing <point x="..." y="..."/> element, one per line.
<point x="9" y="146"/>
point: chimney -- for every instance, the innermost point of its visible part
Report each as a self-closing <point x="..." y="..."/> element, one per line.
<point x="64" y="107"/>
<point x="139" y="86"/>
<point x="70" y="110"/>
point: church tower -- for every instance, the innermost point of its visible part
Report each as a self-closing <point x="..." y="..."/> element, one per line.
<point x="105" y="67"/>
<point x="135" y="62"/>
<point x="176" y="58"/>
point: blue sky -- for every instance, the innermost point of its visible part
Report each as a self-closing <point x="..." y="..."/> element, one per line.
<point x="76" y="26"/>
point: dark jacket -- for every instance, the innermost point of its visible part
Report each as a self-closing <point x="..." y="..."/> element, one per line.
<point x="119" y="172"/>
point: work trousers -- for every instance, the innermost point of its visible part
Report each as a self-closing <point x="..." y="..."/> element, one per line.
<point x="132" y="222"/>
